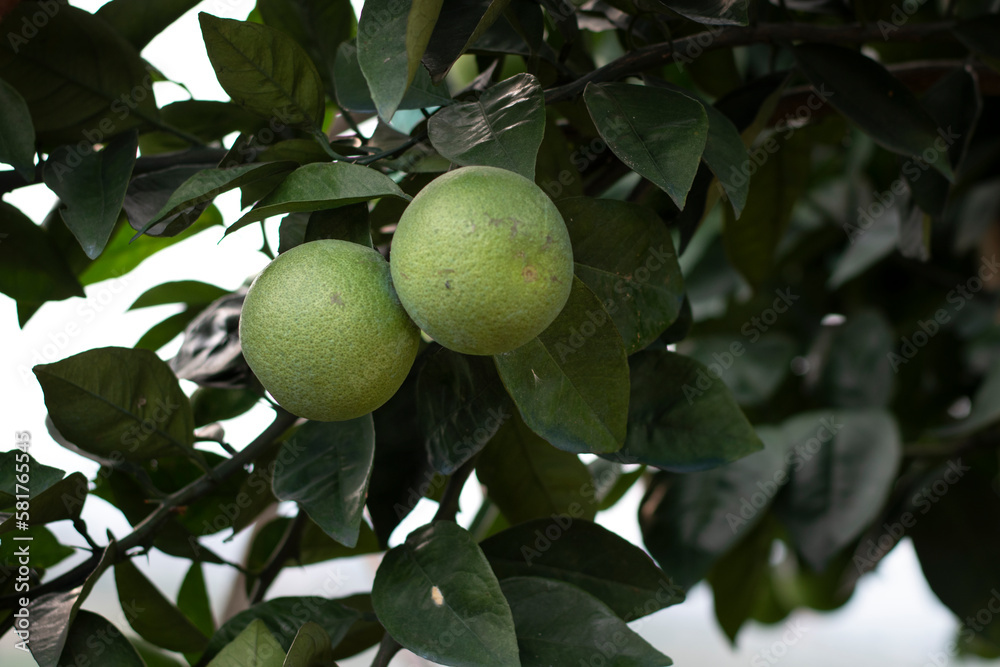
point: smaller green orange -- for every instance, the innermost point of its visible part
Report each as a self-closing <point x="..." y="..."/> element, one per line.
<point x="325" y="333"/>
<point x="482" y="260"/>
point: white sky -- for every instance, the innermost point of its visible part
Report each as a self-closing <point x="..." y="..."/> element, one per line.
<point x="893" y="618"/>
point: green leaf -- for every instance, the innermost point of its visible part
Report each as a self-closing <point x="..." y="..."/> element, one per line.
<point x="94" y="639"/>
<point x="460" y="24"/>
<point x="315" y="546"/>
<point x="215" y="404"/>
<point x="587" y="555"/>
<point x="319" y="186"/>
<point x="681" y="417"/>
<point x="330" y="463"/>
<point x="690" y="520"/>
<point x="713" y="12"/>
<point x="353" y="93"/>
<point x="985" y="406"/>
<point x="283" y="617"/>
<point x="844" y="469"/>
<point x="193" y="602"/>
<point x="41" y="476"/>
<point x="165" y="331"/>
<point x="640" y="283"/>
<point x="255" y="646"/>
<point x="869" y="96"/>
<point x="436" y="582"/>
<point x="739" y="576"/>
<point x="503" y="128"/>
<point x="80" y="78"/>
<point x="209" y="120"/>
<point x="365" y="632"/>
<point x="92" y="188"/>
<point x="560" y="624"/>
<point x="658" y="133"/>
<point x="778" y="183"/>
<point x="392" y="37"/>
<point x="724" y="153"/>
<point x="757" y="369"/>
<point x="32" y="269"/>
<point x="867" y="249"/>
<point x="571" y="382"/>
<point x="319" y="28"/>
<point x="117" y="403"/>
<point x="461" y="404"/>
<point x="152" y="615"/>
<point x="264" y="70"/>
<point x="528" y="478"/>
<point x="52" y="614"/>
<point x="139" y="21"/>
<point x="347" y="223"/>
<point x="310" y="648"/>
<point x="207" y="184"/>
<point x="190" y="292"/>
<point x="857" y="372"/>
<point x="62" y="500"/>
<point x="17" y="133"/>
<point x="46" y="550"/>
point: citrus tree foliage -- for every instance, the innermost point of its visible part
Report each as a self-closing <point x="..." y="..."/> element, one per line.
<point x="782" y="326"/>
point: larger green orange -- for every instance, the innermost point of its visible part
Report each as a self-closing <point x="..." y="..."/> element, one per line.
<point x="481" y="260"/>
<point x="323" y="330"/>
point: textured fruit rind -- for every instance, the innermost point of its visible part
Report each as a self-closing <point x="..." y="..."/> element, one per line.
<point x="323" y="330"/>
<point x="482" y="260"/>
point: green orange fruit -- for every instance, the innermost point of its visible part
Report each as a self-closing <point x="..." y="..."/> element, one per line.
<point x="481" y="260"/>
<point x="323" y="330"/>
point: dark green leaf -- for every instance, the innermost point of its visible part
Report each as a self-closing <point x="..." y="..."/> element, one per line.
<point x="318" y="186"/>
<point x="353" y="93"/>
<point x="283" y="617"/>
<point x="985" y="406"/>
<point x="264" y="70"/>
<point x="92" y="188"/>
<point x="587" y="555"/>
<point x="327" y="474"/>
<point x="868" y="95"/>
<point x="460" y="24"/>
<point x="640" y="283"/>
<point x="315" y="546"/>
<point x="690" y="520"/>
<point x="147" y="193"/>
<point x="757" y="369"/>
<point x="392" y="37"/>
<point x="94" y="639"/>
<point x="193" y="602"/>
<point x="658" y="133"/>
<point x="461" y="404"/>
<point x="190" y="292"/>
<point x="42" y="476"/>
<point x="117" y="403"/>
<point x="211" y="404"/>
<point x="681" y="417"/>
<point x="209" y="120"/>
<point x="32" y="270"/>
<point x="310" y="648"/>
<point x="724" y="152"/>
<point x="165" y="331"/>
<point x="713" y="12"/>
<point x="844" y="466"/>
<point x="560" y="624"/>
<point x="139" y="21"/>
<point x="365" y="632"/>
<point x="437" y="582"/>
<point x="503" y="128"/>
<point x="62" y="500"/>
<point x="857" y="372"/>
<point x="46" y="550"/>
<point x="80" y="78"/>
<point x="738" y="577"/>
<point x="571" y="382"/>
<point x="17" y="133"/>
<point x="255" y="646"/>
<point x="528" y="478"/>
<point x="152" y="615"/>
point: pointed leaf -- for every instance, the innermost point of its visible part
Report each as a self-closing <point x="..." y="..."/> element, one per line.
<point x="681" y="417"/>
<point x="868" y="95"/>
<point x="94" y="639"/>
<point x="92" y="188"/>
<point x="254" y="647"/>
<point x="571" y="382"/>
<point x="461" y="404"/>
<point x="353" y="93"/>
<point x="640" y="283"/>
<point x="17" y="133"/>
<point x="560" y="624"/>
<point x="330" y="463"/>
<point x="32" y="269"/>
<point x="658" y="133"/>
<point x="192" y="600"/>
<point x="436" y="583"/>
<point x="310" y="648"/>
<point x="139" y="21"/>
<point x="724" y="152"/>
<point x="392" y="36"/>
<point x="264" y="70"/>
<point x="460" y="24"/>
<point x="528" y="478"/>
<point x="190" y="292"/>
<point x="587" y="555"/>
<point x="117" y="403"/>
<point x="152" y="615"/>
<point x="503" y="128"/>
<point x="322" y="185"/>
<point x="62" y="500"/>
